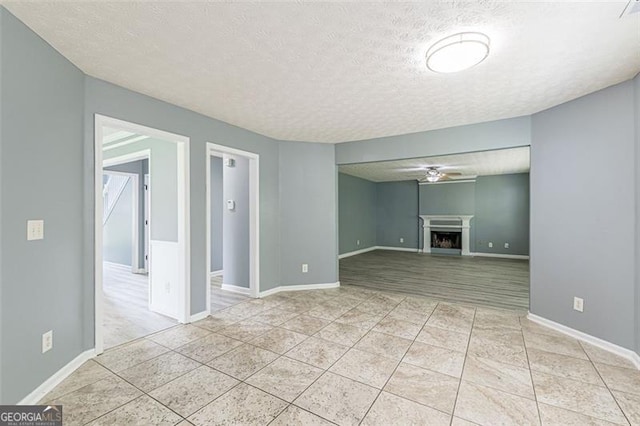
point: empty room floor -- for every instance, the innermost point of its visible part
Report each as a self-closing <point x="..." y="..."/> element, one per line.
<point x="222" y="299"/>
<point x="501" y="283"/>
<point x="353" y="356"/>
<point x="126" y="306"/>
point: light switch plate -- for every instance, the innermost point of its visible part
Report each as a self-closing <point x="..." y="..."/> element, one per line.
<point x="47" y="341"/>
<point x="578" y="304"/>
<point x="35" y="230"/>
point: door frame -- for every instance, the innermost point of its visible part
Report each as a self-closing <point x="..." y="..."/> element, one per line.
<point x="215" y="150"/>
<point x="147" y="219"/>
<point x="184" y="214"/>
<point x="135" y="220"/>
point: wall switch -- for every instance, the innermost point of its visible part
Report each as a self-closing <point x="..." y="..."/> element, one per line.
<point x="231" y="205"/>
<point x="305" y="268"/>
<point x="490" y="244"/>
<point x="402" y="240"/>
<point x="578" y="304"/>
<point x="358" y="242"/>
<point x="35" y="230"/>
<point x="506" y="245"/>
<point x="47" y="341"/>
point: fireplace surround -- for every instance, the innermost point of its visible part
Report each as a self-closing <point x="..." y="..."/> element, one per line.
<point x="447" y="223"/>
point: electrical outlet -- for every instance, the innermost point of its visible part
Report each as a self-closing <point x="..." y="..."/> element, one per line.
<point x="358" y="242"/>
<point x="578" y="304"/>
<point x="490" y="244"/>
<point x="167" y="287"/>
<point x="506" y="245"/>
<point x="47" y="341"/>
<point x="402" y="240"/>
<point x="35" y="230"/>
<point x="305" y="268"/>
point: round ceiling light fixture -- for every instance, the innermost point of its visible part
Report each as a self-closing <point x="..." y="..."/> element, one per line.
<point x="458" y="52"/>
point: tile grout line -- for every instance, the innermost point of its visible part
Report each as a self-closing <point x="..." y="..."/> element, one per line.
<point x="143" y="393"/>
<point x="324" y="370"/>
<point x="464" y="363"/>
<point x="399" y="362"/>
<point x="251" y="317"/>
<point x="533" y="385"/>
<point x="593" y="364"/>
<point x="337" y="360"/>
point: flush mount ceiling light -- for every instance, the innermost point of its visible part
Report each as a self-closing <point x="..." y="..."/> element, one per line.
<point x="458" y="52"/>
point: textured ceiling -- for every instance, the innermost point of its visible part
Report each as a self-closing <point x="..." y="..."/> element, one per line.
<point x="485" y="163"/>
<point x="335" y="72"/>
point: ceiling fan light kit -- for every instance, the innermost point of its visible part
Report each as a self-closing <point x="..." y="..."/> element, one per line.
<point x="433" y="174"/>
<point x="458" y="52"/>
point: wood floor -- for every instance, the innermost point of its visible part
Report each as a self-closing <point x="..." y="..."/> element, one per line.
<point x="502" y="283"/>
<point x="126" y="307"/>
<point x="221" y="299"/>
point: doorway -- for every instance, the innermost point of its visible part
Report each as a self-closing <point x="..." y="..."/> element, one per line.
<point x="452" y="227"/>
<point x="233" y="265"/>
<point x="153" y="292"/>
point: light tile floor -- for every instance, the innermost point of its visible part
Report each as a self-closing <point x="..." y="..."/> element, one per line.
<point x="353" y="356"/>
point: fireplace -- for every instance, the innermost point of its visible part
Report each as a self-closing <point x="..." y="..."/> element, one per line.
<point x="457" y="226"/>
<point x="446" y="239"/>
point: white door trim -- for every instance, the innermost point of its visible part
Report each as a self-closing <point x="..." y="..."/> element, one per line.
<point x="135" y="219"/>
<point x="254" y="215"/>
<point x="184" y="209"/>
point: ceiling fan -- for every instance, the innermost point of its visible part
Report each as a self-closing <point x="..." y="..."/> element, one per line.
<point x="433" y="175"/>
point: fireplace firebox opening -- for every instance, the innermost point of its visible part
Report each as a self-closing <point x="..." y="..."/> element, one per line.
<point x="446" y="239"/>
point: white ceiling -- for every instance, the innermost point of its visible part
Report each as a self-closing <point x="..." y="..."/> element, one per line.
<point x="470" y="165"/>
<point x="336" y="71"/>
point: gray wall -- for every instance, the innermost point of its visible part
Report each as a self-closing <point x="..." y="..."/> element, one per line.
<point x="449" y="198"/>
<point x="53" y="101"/>
<point x="308" y="206"/>
<point x="499" y="204"/>
<point x="140" y="167"/>
<point x="163" y="185"/>
<point x="502" y="214"/>
<point x="398" y="214"/>
<point x="110" y="100"/>
<point x="636" y="83"/>
<point x="1" y="204"/>
<point x="217" y="201"/>
<point x="117" y="239"/>
<point x="582" y="243"/>
<point x="357" y="213"/>
<point x="235" y="237"/>
<point x="498" y="134"/>
<point x="42" y="148"/>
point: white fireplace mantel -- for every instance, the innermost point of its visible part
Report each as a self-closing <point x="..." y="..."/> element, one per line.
<point x="464" y="226"/>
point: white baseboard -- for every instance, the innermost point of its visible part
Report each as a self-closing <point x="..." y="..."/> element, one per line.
<point x="356" y="252"/>
<point x="215" y="273"/>
<point x="121" y="265"/>
<point x="199" y="316"/>
<point x="236" y="289"/>
<point x="412" y="250"/>
<point x="595" y="341"/>
<point x="299" y="287"/>
<point x="57" y="378"/>
<point x="500" y="255"/>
